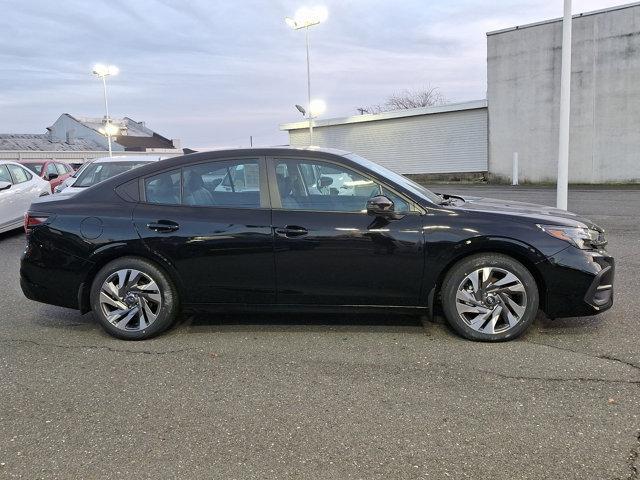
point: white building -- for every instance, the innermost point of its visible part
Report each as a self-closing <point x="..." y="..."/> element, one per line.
<point x="521" y="111"/>
<point x="444" y="139"/>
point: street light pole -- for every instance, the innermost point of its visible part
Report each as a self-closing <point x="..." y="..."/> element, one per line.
<point x="565" y="111"/>
<point x="306" y="34"/>
<point x="305" y="18"/>
<point x="102" y="71"/>
<point x="106" y="110"/>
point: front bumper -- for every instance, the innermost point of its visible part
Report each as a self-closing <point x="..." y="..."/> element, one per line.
<point x="578" y="283"/>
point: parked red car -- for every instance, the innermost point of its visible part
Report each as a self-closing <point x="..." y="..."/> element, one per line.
<point x="54" y="171"/>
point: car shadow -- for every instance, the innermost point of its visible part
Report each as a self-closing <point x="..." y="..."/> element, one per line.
<point x="207" y="322"/>
<point x="293" y="322"/>
<point x="12" y="234"/>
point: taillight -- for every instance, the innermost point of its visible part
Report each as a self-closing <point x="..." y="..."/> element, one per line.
<point x="31" y="221"/>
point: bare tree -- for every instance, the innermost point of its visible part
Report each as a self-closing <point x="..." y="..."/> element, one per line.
<point x="426" y="97"/>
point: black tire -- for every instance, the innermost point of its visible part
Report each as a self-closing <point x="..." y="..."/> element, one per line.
<point x="464" y="269"/>
<point x="166" y="310"/>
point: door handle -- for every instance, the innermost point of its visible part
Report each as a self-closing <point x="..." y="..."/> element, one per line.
<point x="163" y="226"/>
<point x="291" y="231"/>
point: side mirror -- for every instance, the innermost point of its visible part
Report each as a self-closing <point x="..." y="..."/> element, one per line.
<point x="324" y="182"/>
<point x="380" y="206"/>
<point x="5" y="185"/>
<point x="52" y="176"/>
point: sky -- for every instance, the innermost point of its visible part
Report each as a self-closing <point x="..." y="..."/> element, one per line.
<point x="213" y="73"/>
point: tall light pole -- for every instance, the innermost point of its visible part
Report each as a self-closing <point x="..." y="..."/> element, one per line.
<point x="562" y="188"/>
<point x="102" y="72"/>
<point x="303" y="19"/>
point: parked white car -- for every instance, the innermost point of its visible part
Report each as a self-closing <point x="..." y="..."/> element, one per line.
<point x="104" y="168"/>
<point x="18" y="187"/>
<point x="67" y="182"/>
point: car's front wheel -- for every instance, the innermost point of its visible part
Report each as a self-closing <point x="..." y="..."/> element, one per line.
<point x="489" y="297"/>
<point x="133" y="299"/>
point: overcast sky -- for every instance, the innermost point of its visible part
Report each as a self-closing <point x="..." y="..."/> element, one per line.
<point x="214" y="72"/>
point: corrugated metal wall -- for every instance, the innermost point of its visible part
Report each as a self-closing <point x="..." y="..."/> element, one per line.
<point x="436" y="143"/>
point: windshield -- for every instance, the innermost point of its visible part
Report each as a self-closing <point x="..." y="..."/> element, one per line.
<point x="99" y="172"/>
<point x="82" y="168"/>
<point x="401" y="180"/>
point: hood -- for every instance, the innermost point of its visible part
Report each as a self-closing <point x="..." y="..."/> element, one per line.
<point x="542" y="214"/>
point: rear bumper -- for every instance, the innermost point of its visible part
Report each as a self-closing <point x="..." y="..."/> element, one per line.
<point x="578" y="283"/>
<point x="50" y="276"/>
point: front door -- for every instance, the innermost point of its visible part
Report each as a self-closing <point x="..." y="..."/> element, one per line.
<point x="329" y="251"/>
<point x="213" y="220"/>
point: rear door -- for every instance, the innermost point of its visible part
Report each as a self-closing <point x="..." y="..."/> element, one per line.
<point x="212" y="220"/>
<point x="329" y="251"/>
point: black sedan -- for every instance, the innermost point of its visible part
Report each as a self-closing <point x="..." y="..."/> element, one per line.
<point x="306" y="229"/>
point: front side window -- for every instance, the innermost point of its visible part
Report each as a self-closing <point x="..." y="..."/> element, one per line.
<point x="163" y="188"/>
<point x="311" y="185"/>
<point x="51" y="169"/>
<point x="61" y="169"/>
<point x="19" y="174"/>
<point x="234" y="183"/>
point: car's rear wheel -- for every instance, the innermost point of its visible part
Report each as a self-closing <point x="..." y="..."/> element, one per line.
<point x="133" y="299"/>
<point x="489" y="297"/>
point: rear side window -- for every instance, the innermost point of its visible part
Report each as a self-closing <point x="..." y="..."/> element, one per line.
<point x="4" y="174"/>
<point x="35" y="167"/>
<point x="233" y="183"/>
<point x="19" y="174"/>
<point x="51" y="169"/>
<point x="163" y="188"/>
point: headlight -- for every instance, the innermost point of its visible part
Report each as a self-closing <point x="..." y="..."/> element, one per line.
<point x="583" y="238"/>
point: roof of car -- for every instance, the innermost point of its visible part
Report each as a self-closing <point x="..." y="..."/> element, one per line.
<point x="12" y="162"/>
<point x="129" y="158"/>
<point x="42" y="160"/>
<point x="214" y="155"/>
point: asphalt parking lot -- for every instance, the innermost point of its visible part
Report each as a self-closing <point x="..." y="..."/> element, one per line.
<point x="328" y="397"/>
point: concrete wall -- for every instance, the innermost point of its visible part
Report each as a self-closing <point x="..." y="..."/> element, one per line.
<point x="451" y="141"/>
<point x="524" y="96"/>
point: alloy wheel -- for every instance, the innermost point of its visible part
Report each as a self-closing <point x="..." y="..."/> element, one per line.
<point x="130" y="300"/>
<point x="491" y="300"/>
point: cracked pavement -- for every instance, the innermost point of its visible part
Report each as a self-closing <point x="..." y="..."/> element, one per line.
<point x="335" y="397"/>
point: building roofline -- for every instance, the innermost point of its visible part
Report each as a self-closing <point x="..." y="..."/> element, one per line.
<point x="554" y="20"/>
<point x="373" y="117"/>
